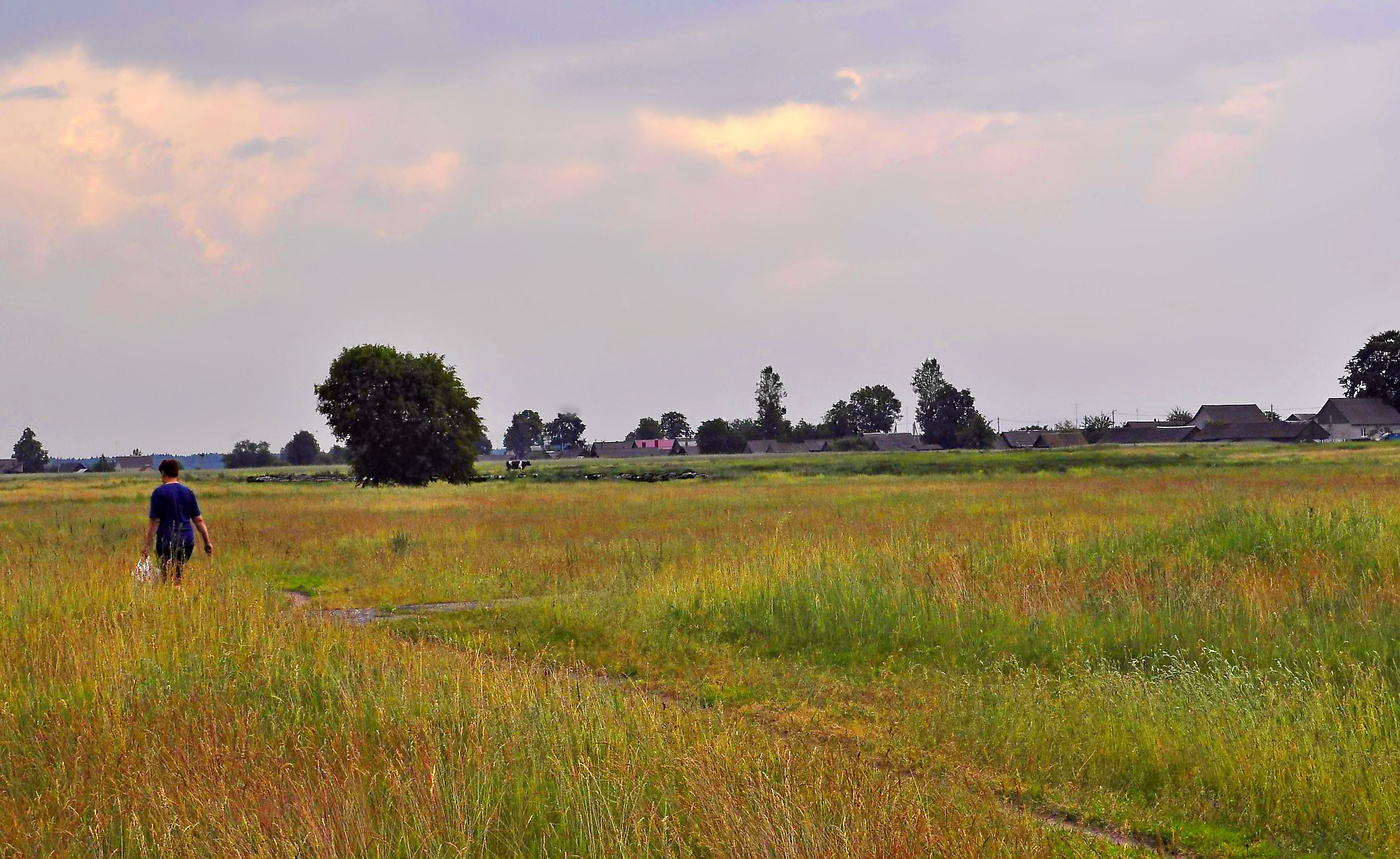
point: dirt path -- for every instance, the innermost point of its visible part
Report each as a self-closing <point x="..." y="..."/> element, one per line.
<point x="1052" y="818"/>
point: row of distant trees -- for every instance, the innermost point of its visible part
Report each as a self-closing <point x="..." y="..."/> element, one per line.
<point x="406" y="418"/>
<point x="303" y="449"/>
<point x="945" y="415"/>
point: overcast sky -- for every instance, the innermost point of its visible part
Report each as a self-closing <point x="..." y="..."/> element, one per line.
<point x="623" y="208"/>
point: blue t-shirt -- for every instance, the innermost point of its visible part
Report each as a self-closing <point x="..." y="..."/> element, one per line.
<point x="175" y="506"/>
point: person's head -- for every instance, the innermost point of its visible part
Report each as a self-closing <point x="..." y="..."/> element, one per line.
<point x="170" y="469"/>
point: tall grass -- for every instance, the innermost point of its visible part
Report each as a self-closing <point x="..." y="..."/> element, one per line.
<point x="210" y="721"/>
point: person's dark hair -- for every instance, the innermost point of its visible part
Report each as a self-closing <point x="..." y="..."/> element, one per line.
<point x="170" y="467"/>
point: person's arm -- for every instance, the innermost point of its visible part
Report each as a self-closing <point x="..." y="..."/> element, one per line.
<point x="204" y="532"/>
<point x="150" y="536"/>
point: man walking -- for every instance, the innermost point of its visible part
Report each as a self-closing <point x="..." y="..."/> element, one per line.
<point x="173" y="520"/>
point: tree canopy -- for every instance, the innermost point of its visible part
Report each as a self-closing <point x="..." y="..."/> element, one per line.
<point x="526" y="430"/>
<point x="674" y="425"/>
<point x="875" y="408"/>
<point x="303" y="449"/>
<point x="566" y="430"/>
<point x="946" y="415"/>
<point x="718" y="436"/>
<point x="769" y="394"/>
<point x="1374" y="371"/>
<point x="647" y="428"/>
<point x="404" y="418"/>
<point x="250" y="454"/>
<point x="840" y="420"/>
<point x="30" y="453"/>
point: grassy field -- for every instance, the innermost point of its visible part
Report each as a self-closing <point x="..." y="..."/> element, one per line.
<point x="864" y="655"/>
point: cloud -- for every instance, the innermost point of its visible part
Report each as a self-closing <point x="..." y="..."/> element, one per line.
<point x="39" y="92"/>
<point x="281" y="149"/>
<point x="221" y="162"/>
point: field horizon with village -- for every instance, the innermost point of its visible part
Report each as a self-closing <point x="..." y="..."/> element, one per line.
<point x="1094" y="651"/>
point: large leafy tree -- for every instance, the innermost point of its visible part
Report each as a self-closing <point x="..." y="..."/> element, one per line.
<point x="946" y="415"/>
<point x="718" y="436"/>
<point x="404" y="418"/>
<point x="303" y="449"/>
<point x="526" y="430"/>
<point x="928" y="384"/>
<point x="250" y="454"/>
<point x="840" y="420"/>
<point x="953" y="420"/>
<point x="1374" y="371"/>
<point x="647" y="428"/>
<point x="769" y="394"/>
<point x="566" y="430"/>
<point x="674" y="425"/>
<point x="876" y="409"/>
<point x="30" y="453"/>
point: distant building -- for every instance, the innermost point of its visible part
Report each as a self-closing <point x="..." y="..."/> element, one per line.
<point x="1275" y="431"/>
<point x="760" y="445"/>
<point x="1061" y="439"/>
<point x="1016" y="440"/>
<point x="1148" y="435"/>
<point x="897" y="441"/>
<point x="9" y="466"/>
<point x="659" y="443"/>
<point x="1301" y="416"/>
<point x="629" y="450"/>
<point x="813" y="446"/>
<point x="1231" y="414"/>
<point x="1352" y="419"/>
<point x="132" y="463"/>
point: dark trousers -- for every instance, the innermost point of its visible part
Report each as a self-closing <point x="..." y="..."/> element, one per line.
<point x="173" y="555"/>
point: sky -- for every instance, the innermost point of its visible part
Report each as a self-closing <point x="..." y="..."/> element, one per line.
<point x="624" y="208"/>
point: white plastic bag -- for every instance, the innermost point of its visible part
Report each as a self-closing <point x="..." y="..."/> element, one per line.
<point x="143" y="574"/>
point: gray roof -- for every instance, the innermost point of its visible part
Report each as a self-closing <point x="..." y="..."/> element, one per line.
<point x="1061" y="439"/>
<point x="1263" y="431"/>
<point x="1301" y="416"/>
<point x="1019" y="438"/>
<point x="610" y="448"/>
<point x="1364" y="412"/>
<point x="1229" y="414"/>
<point x="1148" y="435"/>
<point x="814" y="446"/>
<point x="888" y="441"/>
<point x="760" y="445"/>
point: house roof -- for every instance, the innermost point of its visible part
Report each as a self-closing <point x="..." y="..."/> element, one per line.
<point x="899" y="441"/>
<point x="1367" y="412"/>
<point x="1230" y="414"/>
<point x="760" y="445"/>
<point x="610" y="448"/>
<point x="1020" y="438"/>
<point x="8" y="465"/>
<point x="1301" y="416"/>
<point x="1148" y="435"/>
<point x="1263" y="431"/>
<point x="1061" y="439"/>
<point x="130" y="462"/>
<point x="812" y="446"/>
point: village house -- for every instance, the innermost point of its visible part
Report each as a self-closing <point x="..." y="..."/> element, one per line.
<point x="897" y="441"/>
<point x="132" y="463"/>
<point x="1228" y="414"/>
<point x="1016" y="440"/>
<point x="1149" y="435"/>
<point x="1352" y="419"/>
<point x="9" y="466"/>
<point x="1061" y="439"/>
<point x="1275" y="431"/>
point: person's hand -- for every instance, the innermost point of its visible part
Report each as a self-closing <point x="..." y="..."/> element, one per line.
<point x="208" y="548"/>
